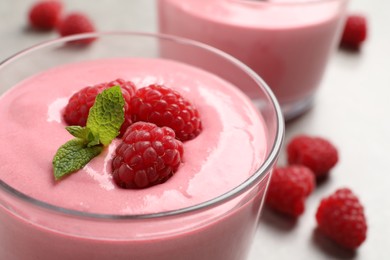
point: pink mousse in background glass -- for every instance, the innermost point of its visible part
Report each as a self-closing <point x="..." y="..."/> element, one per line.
<point x="208" y="210"/>
<point x="287" y="42"/>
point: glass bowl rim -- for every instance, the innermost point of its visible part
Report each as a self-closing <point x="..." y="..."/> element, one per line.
<point x="241" y="188"/>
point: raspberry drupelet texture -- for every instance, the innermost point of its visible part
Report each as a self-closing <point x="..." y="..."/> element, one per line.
<point x="45" y="15"/>
<point x="77" y="110"/>
<point x="76" y="23"/>
<point x="355" y="31"/>
<point x="288" y="189"/>
<point x="316" y="153"/>
<point x="165" y="107"/>
<point x="148" y="155"/>
<point x="341" y="217"/>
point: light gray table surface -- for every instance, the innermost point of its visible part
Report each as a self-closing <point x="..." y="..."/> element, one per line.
<point x="352" y="109"/>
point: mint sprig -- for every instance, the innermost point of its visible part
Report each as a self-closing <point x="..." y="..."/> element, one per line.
<point x="104" y="121"/>
<point x="107" y="115"/>
<point x="85" y="134"/>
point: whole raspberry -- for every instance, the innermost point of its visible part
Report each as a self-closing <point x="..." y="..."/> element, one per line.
<point x="148" y="155"/>
<point x="288" y="189"/>
<point x="341" y="217"/>
<point x="77" y="110"/>
<point x="355" y="31"/>
<point x="165" y="107"/>
<point x="76" y="23"/>
<point x="44" y="15"/>
<point x="314" y="152"/>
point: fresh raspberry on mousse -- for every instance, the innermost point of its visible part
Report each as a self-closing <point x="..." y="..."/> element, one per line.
<point x="166" y="107"/>
<point x="157" y="120"/>
<point x="77" y="110"/>
<point x="148" y="155"/>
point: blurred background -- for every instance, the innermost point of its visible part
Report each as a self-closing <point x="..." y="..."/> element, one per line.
<point x="352" y="109"/>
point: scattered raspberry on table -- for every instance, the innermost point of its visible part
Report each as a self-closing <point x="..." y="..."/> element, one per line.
<point x="341" y="217"/>
<point x="166" y="107"/>
<point x="76" y="23"/>
<point x="148" y="155"/>
<point x="355" y="31"/>
<point x="45" y="15"/>
<point x="316" y="153"/>
<point x="288" y="189"/>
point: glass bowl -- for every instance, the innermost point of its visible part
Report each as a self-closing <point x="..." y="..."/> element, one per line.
<point x="288" y="43"/>
<point x="33" y="227"/>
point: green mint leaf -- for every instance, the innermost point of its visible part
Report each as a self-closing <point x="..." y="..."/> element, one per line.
<point x="78" y="131"/>
<point x="104" y="121"/>
<point x="84" y="133"/>
<point x="72" y="156"/>
<point x="107" y="115"/>
<point x="92" y="139"/>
